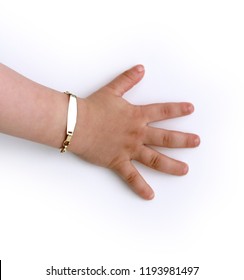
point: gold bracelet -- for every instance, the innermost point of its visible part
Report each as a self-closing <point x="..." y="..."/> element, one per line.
<point x="71" y="121"/>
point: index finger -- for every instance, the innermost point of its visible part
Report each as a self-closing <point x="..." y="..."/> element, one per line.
<point x="163" y="111"/>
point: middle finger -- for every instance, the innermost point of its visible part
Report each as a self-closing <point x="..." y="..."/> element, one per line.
<point x="170" y="139"/>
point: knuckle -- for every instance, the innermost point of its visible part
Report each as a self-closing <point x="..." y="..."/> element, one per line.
<point x="155" y="161"/>
<point x="111" y="87"/>
<point x="166" y="140"/>
<point x="136" y="138"/>
<point x="131" y="178"/>
<point x="188" y="142"/>
<point x="138" y="115"/>
<point x="137" y="127"/>
<point x="115" y="163"/>
<point x="165" y="111"/>
<point x="129" y="76"/>
<point x="139" y="110"/>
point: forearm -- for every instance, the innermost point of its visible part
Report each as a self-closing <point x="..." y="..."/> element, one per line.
<point x="30" y="110"/>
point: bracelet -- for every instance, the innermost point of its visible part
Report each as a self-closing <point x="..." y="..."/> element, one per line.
<point x="71" y="121"/>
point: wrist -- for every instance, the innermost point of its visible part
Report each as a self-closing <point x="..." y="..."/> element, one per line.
<point x="77" y="143"/>
<point x="71" y="121"/>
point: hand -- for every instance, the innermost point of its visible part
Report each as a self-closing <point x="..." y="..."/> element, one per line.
<point x="111" y="132"/>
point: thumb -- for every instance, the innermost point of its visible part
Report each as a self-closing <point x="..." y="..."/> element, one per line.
<point x="127" y="80"/>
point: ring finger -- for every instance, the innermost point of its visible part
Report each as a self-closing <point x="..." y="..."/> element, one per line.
<point x="160" y="162"/>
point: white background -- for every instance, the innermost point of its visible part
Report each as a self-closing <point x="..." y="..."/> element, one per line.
<point x="57" y="210"/>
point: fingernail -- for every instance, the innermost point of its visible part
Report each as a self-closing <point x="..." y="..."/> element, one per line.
<point x="190" y="108"/>
<point x="151" y="196"/>
<point x="140" y="68"/>
<point x="197" y="141"/>
<point x="185" y="170"/>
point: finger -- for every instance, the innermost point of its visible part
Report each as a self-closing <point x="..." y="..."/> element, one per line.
<point x="127" y="80"/>
<point x="170" y="139"/>
<point x="161" y="162"/>
<point x="132" y="177"/>
<point x="163" y="111"/>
